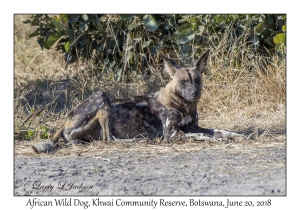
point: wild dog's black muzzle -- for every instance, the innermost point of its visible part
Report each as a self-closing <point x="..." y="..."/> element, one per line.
<point x="195" y="93"/>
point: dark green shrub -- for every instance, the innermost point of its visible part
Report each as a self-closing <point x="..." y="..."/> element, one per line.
<point x="125" y="43"/>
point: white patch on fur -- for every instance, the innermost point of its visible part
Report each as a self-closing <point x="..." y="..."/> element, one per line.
<point x="101" y="104"/>
<point x="145" y="123"/>
<point x="173" y="133"/>
<point x="186" y="120"/>
<point x="166" y="125"/>
<point x="167" y="122"/>
<point x="155" y="94"/>
<point x="144" y="103"/>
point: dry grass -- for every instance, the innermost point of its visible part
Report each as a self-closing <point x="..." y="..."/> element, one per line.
<point x="246" y="97"/>
<point x="100" y="149"/>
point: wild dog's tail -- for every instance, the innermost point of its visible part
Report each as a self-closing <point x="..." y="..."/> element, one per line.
<point x="45" y="147"/>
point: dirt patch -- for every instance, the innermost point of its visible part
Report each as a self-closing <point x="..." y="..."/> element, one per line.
<point x="207" y="168"/>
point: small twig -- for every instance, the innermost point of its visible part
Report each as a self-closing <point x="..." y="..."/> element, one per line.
<point x="124" y="140"/>
<point x="218" y="69"/>
<point x="44" y="121"/>
<point x="38" y="111"/>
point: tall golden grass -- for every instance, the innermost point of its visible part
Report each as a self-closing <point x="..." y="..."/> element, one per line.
<point x="245" y="97"/>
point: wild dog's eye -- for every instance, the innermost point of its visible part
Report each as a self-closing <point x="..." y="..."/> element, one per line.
<point x="182" y="81"/>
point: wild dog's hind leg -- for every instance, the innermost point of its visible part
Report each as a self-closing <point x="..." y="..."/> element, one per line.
<point x="79" y="134"/>
<point x="103" y="116"/>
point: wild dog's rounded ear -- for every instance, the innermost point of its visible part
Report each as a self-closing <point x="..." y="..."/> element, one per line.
<point x="170" y="65"/>
<point x="201" y="62"/>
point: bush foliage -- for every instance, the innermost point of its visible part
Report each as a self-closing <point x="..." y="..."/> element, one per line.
<point x="128" y="44"/>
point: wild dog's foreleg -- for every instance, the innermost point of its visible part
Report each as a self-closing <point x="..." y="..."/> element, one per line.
<point x="171" y="125"/>
<point x="103" y="116"/>
<point x="193" y="127"/>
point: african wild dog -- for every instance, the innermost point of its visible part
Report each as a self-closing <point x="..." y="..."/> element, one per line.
<point x="160" y="114"/>
<point x="163" y="113"/>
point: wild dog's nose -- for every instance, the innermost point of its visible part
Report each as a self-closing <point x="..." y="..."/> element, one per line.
<point x="195" y="92"/>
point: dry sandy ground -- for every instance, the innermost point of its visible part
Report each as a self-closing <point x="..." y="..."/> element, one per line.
<point x="256" y="167"/>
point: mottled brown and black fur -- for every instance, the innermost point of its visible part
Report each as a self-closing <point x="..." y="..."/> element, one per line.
<point x="88" y="121"/>
<point x="160" y="114"/>
<point x="163" y="113"/>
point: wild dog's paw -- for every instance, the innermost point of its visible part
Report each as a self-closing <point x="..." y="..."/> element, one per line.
<point x="43" y="147"/>
<point x="178" y="136"/>
<point x="199" y="136"/>
<point x="222" y="134"/>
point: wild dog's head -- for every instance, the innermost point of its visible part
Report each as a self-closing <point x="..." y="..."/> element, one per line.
<point x="186" y="81"/>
